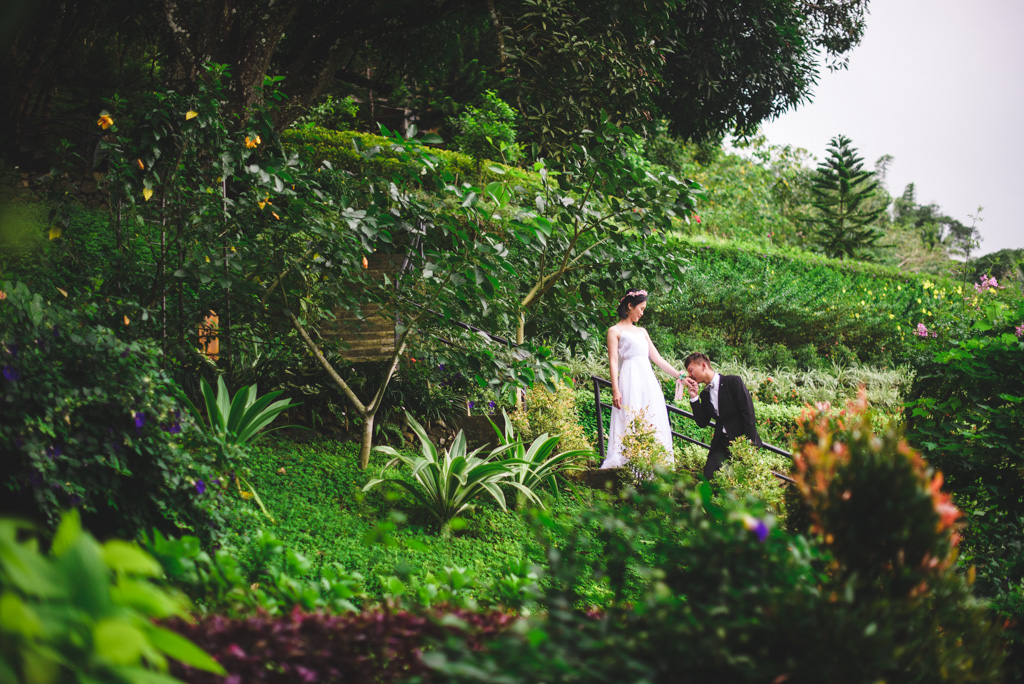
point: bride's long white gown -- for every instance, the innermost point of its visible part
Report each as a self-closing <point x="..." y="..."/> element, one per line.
<point x="640" y="389"/>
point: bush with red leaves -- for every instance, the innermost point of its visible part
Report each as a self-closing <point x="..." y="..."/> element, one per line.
<point x="373" y="646"/>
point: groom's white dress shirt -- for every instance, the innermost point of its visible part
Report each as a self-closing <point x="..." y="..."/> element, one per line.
<point x="713" y="393"/>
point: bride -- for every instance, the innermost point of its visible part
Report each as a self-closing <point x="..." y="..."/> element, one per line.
<point x="634" y="386"/>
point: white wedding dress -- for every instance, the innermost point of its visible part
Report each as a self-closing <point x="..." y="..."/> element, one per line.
<point x="640" y="390"/>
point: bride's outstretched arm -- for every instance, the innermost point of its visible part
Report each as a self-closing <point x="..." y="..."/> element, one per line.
<point x="658" y="360"/>
<point x="613" y="366"/>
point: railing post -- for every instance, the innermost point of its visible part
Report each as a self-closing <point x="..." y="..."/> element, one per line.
<point x="600" y="419"/>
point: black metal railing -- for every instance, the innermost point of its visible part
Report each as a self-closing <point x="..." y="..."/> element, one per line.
<point x="599" y="407"/>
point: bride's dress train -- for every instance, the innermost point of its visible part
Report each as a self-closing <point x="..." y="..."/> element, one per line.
<point x="640" y="390"/>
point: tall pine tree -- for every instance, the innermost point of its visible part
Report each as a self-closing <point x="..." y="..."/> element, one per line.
<point x="841" y="189"/>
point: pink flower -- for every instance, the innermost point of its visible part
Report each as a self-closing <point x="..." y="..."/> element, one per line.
<point x="922" y="330"/>
<point x="986" y="283"/>
<point x="1019" y="330"/>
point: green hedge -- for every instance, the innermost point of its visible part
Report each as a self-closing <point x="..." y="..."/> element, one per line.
<point x="735" y="295"/>
<point x="342" y="150"/>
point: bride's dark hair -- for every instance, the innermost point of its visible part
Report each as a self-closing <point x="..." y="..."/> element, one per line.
<point x="632" y="298"/>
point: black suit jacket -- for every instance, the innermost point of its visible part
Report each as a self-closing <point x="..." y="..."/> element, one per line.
<point x="735" y="418"/>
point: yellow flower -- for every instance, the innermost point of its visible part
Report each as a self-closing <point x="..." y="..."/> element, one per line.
<point x="252" y="142"/>
<point x="207" y="259"/>
<point x="274" y="214"/>
<point x="892" y="316"/>
<point x="189" y="115"/>
<point x="246" y="495"/>
<point x="147" y="193"/>
<point x="105" y="121"/>
<point x="261" y="204"/>
<point x="55" y="232"/>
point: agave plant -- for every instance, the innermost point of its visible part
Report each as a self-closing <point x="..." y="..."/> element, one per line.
<point x="538" y="464"/>
<point x="450" y="482"/>
<point x="234" y="422"/>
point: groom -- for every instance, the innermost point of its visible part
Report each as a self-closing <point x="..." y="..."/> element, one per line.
<point x="725" y="400"/>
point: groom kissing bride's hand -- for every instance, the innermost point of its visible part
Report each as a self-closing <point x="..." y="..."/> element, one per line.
<point x="726" y="401"/>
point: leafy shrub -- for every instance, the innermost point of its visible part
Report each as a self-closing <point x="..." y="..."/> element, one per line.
<point x="84" y="612"/>
<point x="554" y="413"/>
<point x="867" y="597"/>
<point x="488" y="132"/>
<point x="749" y="473"/>
<point x="515" y="587"/>
<point x="367" y="647"/>
<point x="90" y="421"/>
<point x="642" y="450"/>
<point x="278" y="580"/>
<point x="330" y="113"/>
<point x="966" y="413"/>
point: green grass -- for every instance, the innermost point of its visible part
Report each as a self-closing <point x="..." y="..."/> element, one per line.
<point x="320" y="511"/>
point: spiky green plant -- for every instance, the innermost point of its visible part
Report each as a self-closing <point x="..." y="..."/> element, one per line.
<point x="450" y="482"/>
<point x="234" y="422"/>
<point x="538" y="465"/>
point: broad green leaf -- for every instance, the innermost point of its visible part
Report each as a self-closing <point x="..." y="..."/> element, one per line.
<point x="122" y="556"/>
<point x="118" y="641"/>
<point x="181" y="649"/>
<point x="17" y="617"/>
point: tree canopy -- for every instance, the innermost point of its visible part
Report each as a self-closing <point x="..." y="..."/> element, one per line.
<point x="707" y="67"/>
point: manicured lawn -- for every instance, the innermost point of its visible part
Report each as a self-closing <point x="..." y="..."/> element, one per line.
<point x="313" y="491"/>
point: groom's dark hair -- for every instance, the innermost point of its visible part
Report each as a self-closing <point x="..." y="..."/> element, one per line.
<point x="696" y="357"/>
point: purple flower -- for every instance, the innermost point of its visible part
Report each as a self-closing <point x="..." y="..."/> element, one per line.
<point x="11" y="373"/>
<point x="491" y="405"/>
<point x="52" y="451"/>
<point x="124" y="354"/>
<point x="75" y="500"/>
<point x="200" y="487"/>
<point x="757" y="526"/>
<point x="140" y="420"/>
<point x="440" y="366"/>
<point x="173" y="428"/>
<point x="472" y="404"/>
<point x="215" y="482"/>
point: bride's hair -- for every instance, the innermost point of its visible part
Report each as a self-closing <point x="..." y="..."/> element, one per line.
<point x="632" y="298"/>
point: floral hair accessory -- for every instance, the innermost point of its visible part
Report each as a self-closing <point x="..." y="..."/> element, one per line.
<point x="634" y="293"/>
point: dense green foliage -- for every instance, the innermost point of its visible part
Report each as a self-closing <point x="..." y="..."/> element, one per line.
<point x="85" y="611"/>
<point x="728" y="598"/>
<point x="91" y="421"/>
<point x="314" y="494"/>
<point x="733" y="295"/>
<point x="966" y="411"/>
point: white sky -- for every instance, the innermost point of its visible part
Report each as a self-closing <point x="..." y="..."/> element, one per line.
<point x="939" y="85"/>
